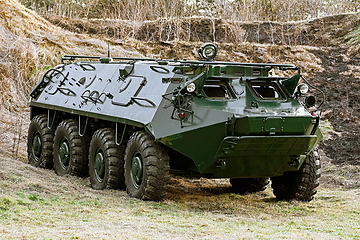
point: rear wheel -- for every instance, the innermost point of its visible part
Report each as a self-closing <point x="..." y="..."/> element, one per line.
<point x="250" y="185"/>
<point x="300" y="185"/>
<point x="70" y="149"/>
<point x="40" y="142"/>
<point x="106" y="160"/>
<point x="146" y="167"/>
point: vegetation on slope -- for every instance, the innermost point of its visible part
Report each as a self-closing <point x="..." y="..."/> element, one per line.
<point x="234" y="10"/>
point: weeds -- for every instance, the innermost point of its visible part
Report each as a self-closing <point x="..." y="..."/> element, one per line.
<point x="34" y="197"/>
<point x="13" y="127"/>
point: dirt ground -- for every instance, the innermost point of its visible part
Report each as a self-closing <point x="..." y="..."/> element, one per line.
<point x="35" y="203"/>
<point x="341" y="82"/>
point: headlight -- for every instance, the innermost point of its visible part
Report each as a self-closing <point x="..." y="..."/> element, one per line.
<point x="208" y="51"/>
<point x="191" y="87"/>
<point x="303" y="88"/>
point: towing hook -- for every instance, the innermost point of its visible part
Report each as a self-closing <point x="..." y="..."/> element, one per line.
<point x="221" y="163"/>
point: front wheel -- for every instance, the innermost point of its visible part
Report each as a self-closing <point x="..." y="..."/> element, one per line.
<point x="146" y="167"/>
<point x="300" y="185"/>
<point x="106" y="160"/>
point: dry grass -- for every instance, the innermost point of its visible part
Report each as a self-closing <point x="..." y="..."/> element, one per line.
<point x="327" y="31"/>
<point x="247" y="10"/>
<point x="29" y="45"/>
<point x="13" y="132"/>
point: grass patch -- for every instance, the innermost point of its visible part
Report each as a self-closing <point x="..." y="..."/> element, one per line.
<point x="353" y="38"/>
<point x="105" y="214"/>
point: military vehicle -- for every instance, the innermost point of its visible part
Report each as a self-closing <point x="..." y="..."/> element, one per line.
<point x="129" y="123"/>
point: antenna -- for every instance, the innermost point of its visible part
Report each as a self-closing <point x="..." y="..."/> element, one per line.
<point x="109" y="50"/>
<point x="108" y="58"/>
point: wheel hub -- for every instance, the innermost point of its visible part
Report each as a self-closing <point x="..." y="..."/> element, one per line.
<point x="37" y="146"/>
<point x="99" y="165"/>
<point x="136" y="170"/>
<point x="64" y="153"/>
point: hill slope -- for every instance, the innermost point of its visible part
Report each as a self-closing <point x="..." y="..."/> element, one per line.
<point x="35" y="202"/>
<point x="322" y="32"/>
<point x="30" y="44"/>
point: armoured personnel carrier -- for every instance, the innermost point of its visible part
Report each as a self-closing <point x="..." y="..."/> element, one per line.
<point x="129" y="123"/>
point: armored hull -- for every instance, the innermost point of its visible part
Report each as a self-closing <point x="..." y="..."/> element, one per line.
<point x="204" y="118"/>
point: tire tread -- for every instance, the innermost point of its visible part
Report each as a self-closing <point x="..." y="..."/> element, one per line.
<point x="40" y="122"/>
<point x="156" y="165"/>
<point x="300" y="185"/>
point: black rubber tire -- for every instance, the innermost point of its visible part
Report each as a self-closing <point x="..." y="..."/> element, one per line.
<point x="67" y="133"/>
<point x="154" y="158"/>
<point x="248" y="185"/>
<point x="40" y="142"/>
<point x="110" y="173"/>
<point x="300" y="185"/>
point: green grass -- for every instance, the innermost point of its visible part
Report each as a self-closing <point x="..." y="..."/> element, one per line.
<point x="48" y="206"/>
<point x="353" y="38"/>
<point x="333" y="214"/>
